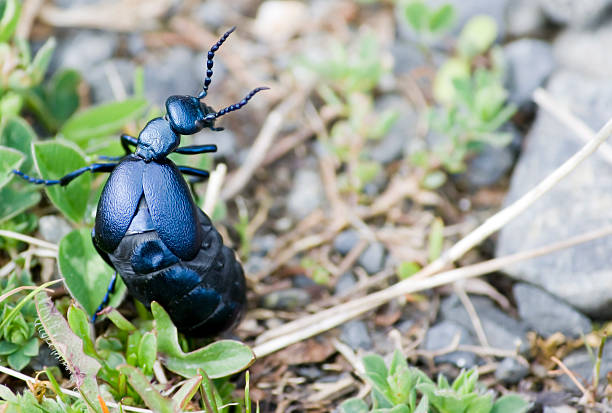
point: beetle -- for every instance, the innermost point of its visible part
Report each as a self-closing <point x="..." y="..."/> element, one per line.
<point x="149" y="229"/>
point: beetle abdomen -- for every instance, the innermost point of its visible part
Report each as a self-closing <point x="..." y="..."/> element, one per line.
<point x="204" y="296"/>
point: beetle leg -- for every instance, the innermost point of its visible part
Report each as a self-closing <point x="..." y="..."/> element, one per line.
<point x="106" y="299"/>
<point x="200" y="174"/>
<point x="209" y="62"/>
<point x="195" y="149"/>
<point x="126" y="141"/>
<point x="65" y="180"/>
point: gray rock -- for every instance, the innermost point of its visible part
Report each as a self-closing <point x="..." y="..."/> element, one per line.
<point x="373" y="258"/>
<point x="256" y="263"/>
<point x="488" y="166"/>
<point x="529" y="63"/>
<point x="586" y="51"/>
<point x="53" y="228"/>
<point x="501" y="330"/>
<point x="391" y="146"/>
<point x="546" y="314"/>
<point x="581" y="363"/>
<point x="441" y="336"/>
<point x="288" y="300"/>
<point x="262" y="244"/>
<point x="309" y="372"/>
<point x="306" y="194"/>
<point x="511" y="371"/>
<point x="524" y="18"/>
<point x="345" y="284"/>
<point x="346" y="240"/>
<point x="574" y="12"/>
<point x="178" y="71"/>
<point x="581" y="202"/>
<point x="213" y="14"/>
<point x="355" y="334"/>
<point x="83" y="50"/>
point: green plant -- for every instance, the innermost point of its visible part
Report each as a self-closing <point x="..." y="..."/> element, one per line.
<point x="403" y="389"/>
<point x="427" y="22"/>
<point x="347" y="80"/>
<point x="18" y="341"/>
<point x="123" y="359"/>
<point x="471" y="103"/>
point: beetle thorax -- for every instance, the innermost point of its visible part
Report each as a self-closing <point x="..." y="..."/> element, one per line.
<point x="157" y="140"/>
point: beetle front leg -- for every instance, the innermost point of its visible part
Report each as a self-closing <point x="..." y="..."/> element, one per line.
<point x="106" y="299"/>
<point x="66" y="179"/>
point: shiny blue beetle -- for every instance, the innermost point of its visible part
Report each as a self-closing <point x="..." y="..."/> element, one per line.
<point x="149" y="229"/>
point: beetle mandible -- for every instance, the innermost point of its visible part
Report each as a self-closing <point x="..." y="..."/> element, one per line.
<point x="149" y="229"/>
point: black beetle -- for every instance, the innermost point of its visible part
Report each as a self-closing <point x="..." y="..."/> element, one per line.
<point x="149" y="229"/>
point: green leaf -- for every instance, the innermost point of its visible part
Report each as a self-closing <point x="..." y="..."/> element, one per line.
<point x="62" y="97"/>
<point x="16" y="199"/>
<point x="10" y="104"/>
<point x="147" y="352"/>
<point x="120" y="321"/>
<point x="511" y="403"/>
<point x="69" y="347"/>
<point x="9" y="159"/>
<point x="18" y="134"/>
<point x="477" y="36"/>
<point x="407" y="269"/>
<point x="143" y="387"/>
<point x="41" y="61"/>
<point x="417" y="15"/>
<point x="354" y="406"/>
<point x="434" y="179"/>
<point x="6" y="348"/>
<point x="30" y="348"/>
<point x="444" y="83"/>
<point x="436" y="239"/>
<point x="102" y="120"/>
<point x="18" y="360"/>
<point x="85" y="273"/>
<point x="186" y="392"/>
<point x="10" y="17"/>
<point x="218" y="359"/>
<point x="55" y="159"/>
<point x="442" y="19"/>
<point x="77" y="320"/>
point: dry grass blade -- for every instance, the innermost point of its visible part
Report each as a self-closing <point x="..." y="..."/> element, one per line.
<point x="337" y="315"/>
<point x="123" y="15"/>
<point x="28" y="239"/>
<point x="330" y="318"/>
<point x="262" y="144"/>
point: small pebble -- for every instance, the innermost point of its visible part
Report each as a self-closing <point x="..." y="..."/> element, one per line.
<point x="355" y="334"/>
<point x="373" y="258"/>
<point x="288" y="300"/>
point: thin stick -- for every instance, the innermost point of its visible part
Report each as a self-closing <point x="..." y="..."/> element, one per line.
<point x="28" y="239"/>
<point x="469" y="307"/>
<point x="260" y="148"/>
<point x="562" y="113"/>
<point x="571" y="375"/>
<point x="214" y="188"/>
<point x="324" y="320"/>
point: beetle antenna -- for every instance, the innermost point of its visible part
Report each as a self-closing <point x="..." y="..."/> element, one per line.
<point x="209" y="62"/>
<point x="235" y="106"/>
